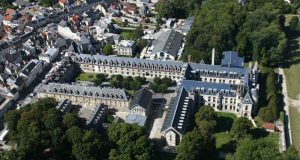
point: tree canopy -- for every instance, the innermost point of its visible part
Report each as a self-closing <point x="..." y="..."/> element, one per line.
<point x="253" y="30"/>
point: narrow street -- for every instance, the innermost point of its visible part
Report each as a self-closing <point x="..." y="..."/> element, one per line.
<point x="286" y="109"/>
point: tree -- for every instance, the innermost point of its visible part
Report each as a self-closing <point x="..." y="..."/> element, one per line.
<point x="168" y="81"/>
<point x="43" y="132"/>
<point x="100" y="78"/>
<point x="290" y="154"/>
<point x="157" y="80"/>
<point x="165" y="8"/>
<point x="266" y="114"/>
<point x="241" y="127"/>
<point x="294" y="23"/>
<point x="206" y="119"/>
<point x="12" y="118"/>
<point x="107" y="49"/>
<point x="250" y="149"/>
<point x="70" y="120"/>
<point x="135" y="85"/>
<point x="195" y="145"/>
<point x="162" y="88"/>
<point x="130" y="142"/>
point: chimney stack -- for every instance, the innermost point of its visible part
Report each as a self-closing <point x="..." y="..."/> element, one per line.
<point x="213" y="57"/>
<point x="189" y="59"/>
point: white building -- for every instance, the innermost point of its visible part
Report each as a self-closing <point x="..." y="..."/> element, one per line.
<point x="66" y="31"/>
<point x="125" y="47"/>
<point x="49" y="55"/>
<point x="168" y="46"/>
<point x="31" y="71"/>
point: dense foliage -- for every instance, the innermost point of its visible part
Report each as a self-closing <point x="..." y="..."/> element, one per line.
<point x="253" y="30"/>
<point x="128" y="82"/>
<point x="250" y="149"/>
<point x="43" y="132"/>
<point x="199" y="143"/>
<point x="128" y="142"/>
<point x="269" y="100"/>
<point x="40" y="131"/>
<point x="160" y="85"/>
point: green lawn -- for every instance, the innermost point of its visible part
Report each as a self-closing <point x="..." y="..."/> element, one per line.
<point x="223" y="139"/>
<point x="224" y="121"/>
<point x="86" y="77"/>
<point x="295" y="125"/>
<point x="126" y="34"/>
<point x="293" y="80"/>
<point x="293" y="71"/>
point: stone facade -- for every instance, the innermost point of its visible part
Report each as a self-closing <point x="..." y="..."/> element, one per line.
<point x="83" y="95"/>
<point x="131" y="66"/>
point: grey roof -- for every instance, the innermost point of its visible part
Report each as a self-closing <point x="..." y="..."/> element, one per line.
<point x="240" y="72"/>
<point x="187" y="24"/>
<point x="168" y="42"/>
<point x="96" y="116"/>
<point x="63" y="105"/>
<point x="86" y="91"/>
<point x="87" y="58"/>
<point x="60" y="42"/>
<point x="142" y="98"/>
<point x="178" y="111"/>
<point x="247" y="99"/>
<point x="232" y="59"/>
<point x="209" y="88"/>
<point x="29" y="67"/>
<point x="136" y="119"/>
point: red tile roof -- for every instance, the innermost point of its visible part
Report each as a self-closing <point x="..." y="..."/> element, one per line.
<point x="63" y="1"/>
<point x="10" y="11"/>
<point x="269" y="126"/>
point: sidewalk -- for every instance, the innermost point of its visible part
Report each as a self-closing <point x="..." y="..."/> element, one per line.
<point x="286" y="108"/>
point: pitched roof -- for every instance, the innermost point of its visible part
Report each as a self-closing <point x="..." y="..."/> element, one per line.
<point x="86" y="91"/>
<point x="142" y="98"/>
<point x="136" y="119"/>
<point x="178" y="111"/>
<point x="248" y="99"/>
<point x="126" y="60"/>
<point x="168" y="42"/>
<point x="232" y="59"/>
<point x="269" y="126"/>
<point x="209" y="88"/>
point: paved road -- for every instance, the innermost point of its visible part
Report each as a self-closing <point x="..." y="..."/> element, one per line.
<point x="286" y="108"/>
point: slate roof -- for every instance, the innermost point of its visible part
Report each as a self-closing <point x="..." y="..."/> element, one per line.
<point x="96" y="115"/>
<point x="143" y="98"/>
<point x="232" y="59"/>
<point x="187" y="25"/>
<point x="136" y="119"/>
<point x="85" y="91"/>
<point x="248" y="99"/>
<point x="90" y="58"/>
<point x="209" y="88"/>
<point x="240" y="72"/>
<point x="29" y="67"/>
<point x="168" y="42"/>
<point x="178" y="110"/>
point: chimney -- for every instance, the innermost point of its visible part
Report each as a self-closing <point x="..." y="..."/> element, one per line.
<point x="189" y="59"/>
<point x="213" y="57"/>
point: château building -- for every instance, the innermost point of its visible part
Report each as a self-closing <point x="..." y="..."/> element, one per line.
<point x="86" y="95"/>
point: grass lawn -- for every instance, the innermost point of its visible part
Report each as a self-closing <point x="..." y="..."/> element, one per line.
<point x="127" y="35"/>
<point x="295" y="125"/>
<point x="225" y="121"/>
<point x="293" y="80"/>
<point x="86" y="77"/>
<point x="223" y="139"/>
